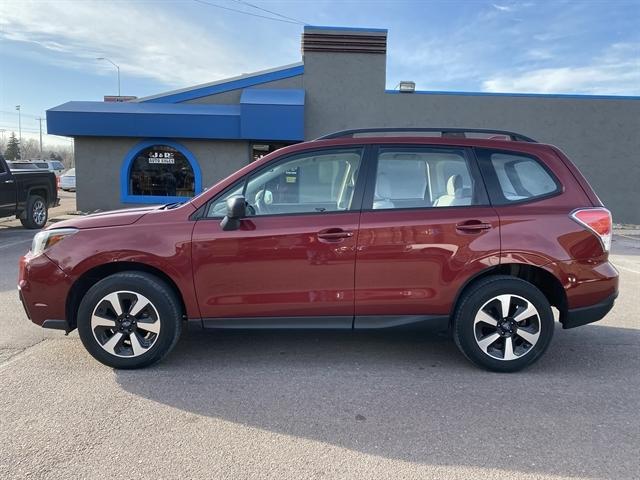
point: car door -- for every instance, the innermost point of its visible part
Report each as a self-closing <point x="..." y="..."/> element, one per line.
<point x="291" y="261"/>
<point x="7" y="191"/>
<point x="426" y="227"/>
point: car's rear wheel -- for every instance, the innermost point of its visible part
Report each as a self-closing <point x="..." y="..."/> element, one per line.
<point x="129" y="320"/>
<point x="36" y="213"/>
<point x="503" y="324"/>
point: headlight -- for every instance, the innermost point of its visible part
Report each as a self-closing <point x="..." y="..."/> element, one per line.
<point x="48" y="238"/>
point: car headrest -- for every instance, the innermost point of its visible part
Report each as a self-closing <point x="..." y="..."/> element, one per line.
<point x="383" y="187"/>
<point x="454" y="184"/>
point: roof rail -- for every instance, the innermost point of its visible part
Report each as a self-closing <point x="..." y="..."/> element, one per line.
<point x="457" y="132"/>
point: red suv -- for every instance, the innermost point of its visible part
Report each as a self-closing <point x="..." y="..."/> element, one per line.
<point x="481" y="231"/>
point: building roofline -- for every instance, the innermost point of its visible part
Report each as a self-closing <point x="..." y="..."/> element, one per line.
<point x="225" y="85"/>
<point x="535" y="95"/>
<point x="345" y="29"/>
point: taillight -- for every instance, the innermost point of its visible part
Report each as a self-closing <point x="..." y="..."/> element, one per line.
<point x="598" y="220"/>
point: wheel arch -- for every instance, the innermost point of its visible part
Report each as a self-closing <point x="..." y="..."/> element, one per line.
<point x="544" y="280"/>
<point x="41" y="191"/>
<point x="82" y="285"/>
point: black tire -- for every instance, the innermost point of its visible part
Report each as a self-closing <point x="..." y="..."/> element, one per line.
<point x="163" y="301"/>
<point x="484" y="293"/>
<point x="36" y="213"/>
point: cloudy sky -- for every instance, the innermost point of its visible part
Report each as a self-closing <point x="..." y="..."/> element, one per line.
<point x="48" y="49"/>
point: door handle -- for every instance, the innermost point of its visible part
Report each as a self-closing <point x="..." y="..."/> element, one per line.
<point x="473" y="226"/>
<point x="8" y="181"/>
<point x="334" y="234"/>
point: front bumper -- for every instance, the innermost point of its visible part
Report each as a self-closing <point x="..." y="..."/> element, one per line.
<point x="43" y="289"/>
<point x="577" y="317"/>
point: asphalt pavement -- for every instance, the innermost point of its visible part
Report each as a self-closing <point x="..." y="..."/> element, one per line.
<point x="293" y="405"/>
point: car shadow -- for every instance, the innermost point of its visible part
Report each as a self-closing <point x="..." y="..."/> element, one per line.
<point x="412" y="396"/>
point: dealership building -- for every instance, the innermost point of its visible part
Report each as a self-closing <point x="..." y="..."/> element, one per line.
<point x="170" y="146"/>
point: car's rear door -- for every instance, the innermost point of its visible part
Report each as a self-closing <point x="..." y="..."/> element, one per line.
<point x="426" y="227"/>
<point x="292" y="260"/>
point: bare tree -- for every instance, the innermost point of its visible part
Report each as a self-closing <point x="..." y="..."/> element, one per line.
<point x="30" y="149"/>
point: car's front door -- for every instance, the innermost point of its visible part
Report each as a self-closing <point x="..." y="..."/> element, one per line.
<point x="425" y="228"/>
<point x="291" y="262"/>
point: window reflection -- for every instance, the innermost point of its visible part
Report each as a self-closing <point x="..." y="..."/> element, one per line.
<point x="161" y="171"/>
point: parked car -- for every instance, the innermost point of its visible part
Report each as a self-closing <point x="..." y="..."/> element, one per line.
<point x="68" y="180"/>
<point x="357" y="230"/>
<point x="55" y="166"/>
<point x="27" y="193"/>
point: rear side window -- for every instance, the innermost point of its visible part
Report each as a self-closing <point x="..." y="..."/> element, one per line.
<point x="516" y="177"/>
<point x="422" y="177"/>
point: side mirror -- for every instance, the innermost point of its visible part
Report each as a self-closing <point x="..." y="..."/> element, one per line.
<point x="236" y="210"/>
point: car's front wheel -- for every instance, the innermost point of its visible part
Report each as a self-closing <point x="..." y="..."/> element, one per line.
<point x="503" y="324"/>
<point x="129" y="320"/>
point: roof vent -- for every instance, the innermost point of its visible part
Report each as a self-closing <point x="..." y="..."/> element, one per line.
<point x="344" y="40"/>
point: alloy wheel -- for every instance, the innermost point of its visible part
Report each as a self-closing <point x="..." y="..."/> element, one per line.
<point x="125" y="324"/>
<point x="39" y="212"/>
<point x="507" y="327"/>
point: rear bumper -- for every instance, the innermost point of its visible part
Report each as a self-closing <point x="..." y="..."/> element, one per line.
<point x="577" y="317"/>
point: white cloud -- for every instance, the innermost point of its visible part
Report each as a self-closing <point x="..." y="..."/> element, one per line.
<point x="146" y="43"/>
<point x="502" y="8"/>
<point x="617" y="72"/>
<point x="540" y="54"/>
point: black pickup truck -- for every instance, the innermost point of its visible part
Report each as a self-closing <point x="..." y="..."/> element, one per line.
<point x="27" y="194"/>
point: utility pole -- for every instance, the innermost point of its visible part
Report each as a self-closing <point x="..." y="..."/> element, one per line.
<point x="19" y="127"/>
<point x="40" y="122"/>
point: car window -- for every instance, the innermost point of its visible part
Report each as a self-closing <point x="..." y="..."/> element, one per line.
<point x="42" y="165"/>
<point x="57" y="165"/>
<point x="423" y="178"/>
<point x="218" y="207"/>
<point x="318" y="182"/>
<point x="22" y="166"/>
<point x="521" y="177"/>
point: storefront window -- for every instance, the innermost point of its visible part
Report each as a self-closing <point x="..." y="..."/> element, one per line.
<point x="161" y="170"/>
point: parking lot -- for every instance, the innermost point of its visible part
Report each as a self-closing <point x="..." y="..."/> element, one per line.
<point x="320" y="404"/>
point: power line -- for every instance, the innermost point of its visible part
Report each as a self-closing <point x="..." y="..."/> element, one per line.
<point x="15" y="129"/>
<point x="248" y="13"/>
<point x="268" y="11"/>
<point x="23" y="114"/>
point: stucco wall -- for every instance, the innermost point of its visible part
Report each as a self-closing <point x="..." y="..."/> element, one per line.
<point x="99" y="161"/>
<point x="602" y="136"/>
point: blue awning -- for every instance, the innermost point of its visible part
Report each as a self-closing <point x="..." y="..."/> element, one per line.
<point x="263" y="114"/>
